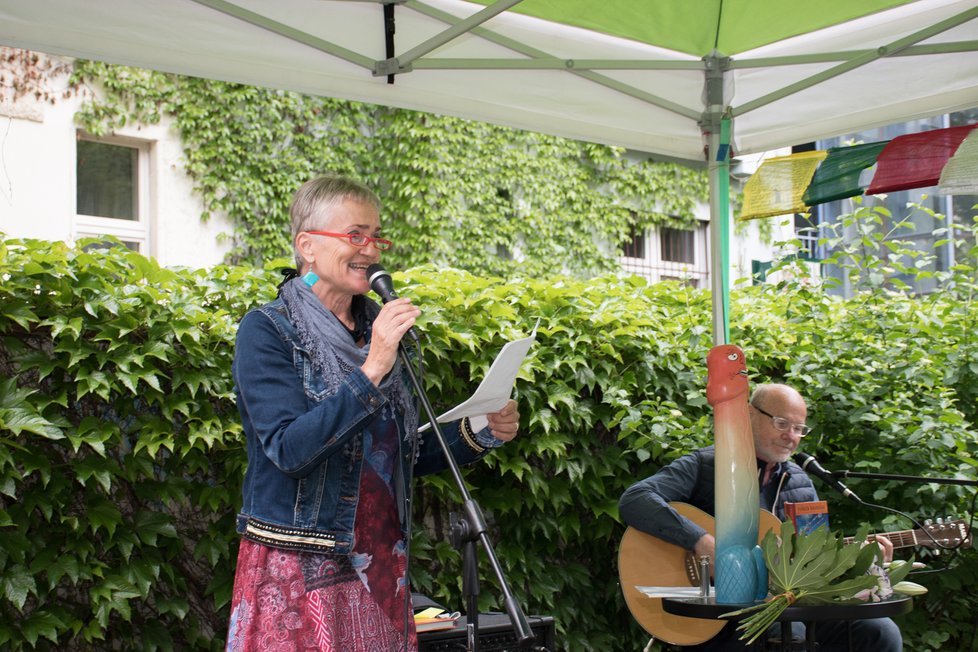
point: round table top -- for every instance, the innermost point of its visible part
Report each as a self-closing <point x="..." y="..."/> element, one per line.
<point x="708" y="608"/>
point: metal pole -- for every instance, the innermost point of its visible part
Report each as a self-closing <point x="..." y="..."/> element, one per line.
<point x="718" y="154"/>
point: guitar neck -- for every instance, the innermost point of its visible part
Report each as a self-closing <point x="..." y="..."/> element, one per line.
<point x="900" y="539"/>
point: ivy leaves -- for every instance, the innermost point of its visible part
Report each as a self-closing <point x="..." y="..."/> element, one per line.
<point x="121" y="451"/>
<point x="456" y="193"/>
<point x="115" y="425"/>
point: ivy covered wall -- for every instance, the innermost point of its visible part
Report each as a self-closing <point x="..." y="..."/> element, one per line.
<point x="456" y="193"/>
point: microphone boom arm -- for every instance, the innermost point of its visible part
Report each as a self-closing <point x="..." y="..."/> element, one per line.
<point x="904" y="478"/>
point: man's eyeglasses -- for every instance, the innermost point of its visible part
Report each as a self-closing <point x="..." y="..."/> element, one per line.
<point x="357" y="239"/>
<point x="783" y="424"/>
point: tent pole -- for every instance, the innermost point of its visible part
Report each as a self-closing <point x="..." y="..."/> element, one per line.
<point x="389" y="29"/>
<point x="716" y="129"/>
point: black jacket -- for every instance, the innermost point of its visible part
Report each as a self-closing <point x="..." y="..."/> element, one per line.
<point x="690" y="479"/>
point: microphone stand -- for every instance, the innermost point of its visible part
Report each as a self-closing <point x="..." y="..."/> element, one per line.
<point x="467" y="531"/>
<point x="904" y="478"/>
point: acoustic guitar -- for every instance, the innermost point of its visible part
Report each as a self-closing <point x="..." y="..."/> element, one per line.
<point x="645" y="560"/>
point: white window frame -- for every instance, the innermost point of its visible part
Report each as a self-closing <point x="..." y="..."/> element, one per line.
<point x="138" y="231"/>
<point x="655" y="269"/>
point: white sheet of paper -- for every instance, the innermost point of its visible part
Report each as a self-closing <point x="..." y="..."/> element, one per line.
<point x="670" y="591"/>
<point x="495" y="389"/>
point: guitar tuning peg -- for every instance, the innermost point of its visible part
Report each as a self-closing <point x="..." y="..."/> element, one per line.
<point x="928" y="521"/>
<point x="940" y="520"/>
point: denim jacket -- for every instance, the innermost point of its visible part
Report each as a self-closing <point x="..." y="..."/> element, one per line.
<point x="301" y="487"/>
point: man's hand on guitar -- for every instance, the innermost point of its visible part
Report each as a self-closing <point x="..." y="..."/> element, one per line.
<point x="706" y="545"/>
<point x="886" y="546"/>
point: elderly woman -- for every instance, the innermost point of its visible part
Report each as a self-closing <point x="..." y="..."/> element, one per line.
<point x="331" y="423"/>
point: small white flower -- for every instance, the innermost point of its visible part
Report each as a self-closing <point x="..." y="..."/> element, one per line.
<point x="882" y="590"/>
<point x="909" y="588"/>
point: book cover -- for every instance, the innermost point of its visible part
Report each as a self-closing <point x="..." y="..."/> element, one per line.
<point x="432" y="624"/>
<point x="434" y="619"/>
<point x="808" y="516"/>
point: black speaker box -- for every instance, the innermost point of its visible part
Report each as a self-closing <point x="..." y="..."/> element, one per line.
<point x="495" y="635"/>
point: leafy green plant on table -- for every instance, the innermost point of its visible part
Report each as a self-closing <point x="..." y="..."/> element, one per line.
<point x="817" y="567"/>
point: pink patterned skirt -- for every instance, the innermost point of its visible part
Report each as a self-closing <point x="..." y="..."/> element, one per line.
<point x="290" y="601"/>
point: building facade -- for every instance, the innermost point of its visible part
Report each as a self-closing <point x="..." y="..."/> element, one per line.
<point x="59" y="183"/>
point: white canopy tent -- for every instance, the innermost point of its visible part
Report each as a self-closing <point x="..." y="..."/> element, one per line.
<point x="691" y="81"/>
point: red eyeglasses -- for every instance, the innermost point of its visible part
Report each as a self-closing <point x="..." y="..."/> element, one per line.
<point x="357" y="239"/>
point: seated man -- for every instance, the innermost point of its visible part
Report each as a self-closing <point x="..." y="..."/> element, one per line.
<point x="777" y="418"/>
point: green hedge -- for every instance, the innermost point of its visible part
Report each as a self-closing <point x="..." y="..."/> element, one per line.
<point x="121" y="453"/>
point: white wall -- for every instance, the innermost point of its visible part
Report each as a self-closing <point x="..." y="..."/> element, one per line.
<point x="37" y="181"/>
<point x="748" y="247"/>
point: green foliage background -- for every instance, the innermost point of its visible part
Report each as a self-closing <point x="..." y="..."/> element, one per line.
<point x="121" y="453"/>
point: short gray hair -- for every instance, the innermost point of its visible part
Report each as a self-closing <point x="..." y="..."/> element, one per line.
<point x="761" y="391"/>
<point x="316" y="196"/>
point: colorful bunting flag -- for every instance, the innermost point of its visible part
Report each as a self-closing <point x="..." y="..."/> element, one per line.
<point x="837" y="177"/>
<point x="778" y="185"/>
<point x="916" y="160"/>
<point x="947" y="158"/>
<point x="960" y="175"/>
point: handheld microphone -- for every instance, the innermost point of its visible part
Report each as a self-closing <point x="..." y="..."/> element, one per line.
<point x="811" y="466"/>
<point x="380" y="282"/>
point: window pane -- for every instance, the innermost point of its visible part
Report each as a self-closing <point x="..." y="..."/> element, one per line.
<point x="677" y="246"/>
<point x="685" y="280"/>
<point x="635" y="248"/>
<point x="108" y="244"/>
<point x="106" y="180"/>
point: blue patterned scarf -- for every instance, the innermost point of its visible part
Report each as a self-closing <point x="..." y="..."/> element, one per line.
<point x="334" y="353"/>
